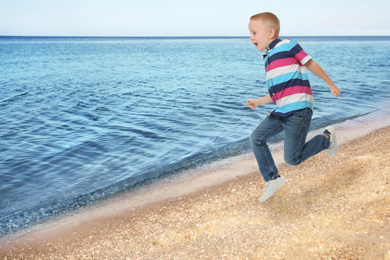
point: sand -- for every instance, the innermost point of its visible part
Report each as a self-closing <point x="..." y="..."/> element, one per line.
<point x="331" y="208"/>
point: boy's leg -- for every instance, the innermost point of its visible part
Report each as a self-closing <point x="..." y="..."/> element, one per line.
<point x="296" y="149"/>
<point x="269" y="127"/>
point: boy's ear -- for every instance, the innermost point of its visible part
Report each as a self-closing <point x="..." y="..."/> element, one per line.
<point x="272" y="33"/>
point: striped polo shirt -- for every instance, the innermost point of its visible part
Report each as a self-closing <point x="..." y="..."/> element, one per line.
<point x="287" y="81"/>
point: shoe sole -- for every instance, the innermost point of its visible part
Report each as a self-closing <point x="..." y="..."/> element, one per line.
<point x="276" y="188"/>
<point x="332" y="151"/>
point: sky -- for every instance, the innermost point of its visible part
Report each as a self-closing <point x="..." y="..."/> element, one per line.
<point x="190" y="17"/>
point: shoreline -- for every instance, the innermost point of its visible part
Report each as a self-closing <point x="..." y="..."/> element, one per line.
<point x="204" y="182"/>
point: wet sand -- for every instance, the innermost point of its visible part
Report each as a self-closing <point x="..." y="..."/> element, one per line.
<point x="330" y="208"/>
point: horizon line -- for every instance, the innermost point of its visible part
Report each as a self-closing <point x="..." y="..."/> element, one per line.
<point x="248" y="36"/>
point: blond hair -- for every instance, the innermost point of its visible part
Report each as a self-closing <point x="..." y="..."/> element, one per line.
<point x="270" y="21"/>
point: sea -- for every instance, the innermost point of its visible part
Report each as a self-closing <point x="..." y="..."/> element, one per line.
<point x="83" y="119"/>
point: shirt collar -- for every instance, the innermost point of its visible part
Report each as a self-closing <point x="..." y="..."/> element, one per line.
<point x="273" y="43"/>
<point x="270" y="47"/>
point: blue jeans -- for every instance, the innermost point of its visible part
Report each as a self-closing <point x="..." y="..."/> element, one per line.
<point x="296" y="149"/>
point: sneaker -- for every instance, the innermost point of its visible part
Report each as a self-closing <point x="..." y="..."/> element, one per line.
<point x="271" y="187"/>
<point x="332" y="150"/>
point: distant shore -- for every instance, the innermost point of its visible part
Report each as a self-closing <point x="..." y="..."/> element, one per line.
<point x="330" y="208"/>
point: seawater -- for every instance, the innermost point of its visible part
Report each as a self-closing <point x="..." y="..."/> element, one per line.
<point x="82" y="119"/>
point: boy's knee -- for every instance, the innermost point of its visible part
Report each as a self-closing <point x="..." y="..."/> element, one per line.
<point x="254" y="140"/>
<point x="292" y="161"/>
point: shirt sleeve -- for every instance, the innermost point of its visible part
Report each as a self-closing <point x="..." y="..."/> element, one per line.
<point x="298" y="53"/>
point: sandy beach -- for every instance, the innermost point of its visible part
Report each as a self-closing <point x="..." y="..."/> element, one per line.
<point x="331" y="208"/>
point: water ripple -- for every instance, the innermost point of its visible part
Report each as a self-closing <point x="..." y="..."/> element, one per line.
<point x="85" y="119"/>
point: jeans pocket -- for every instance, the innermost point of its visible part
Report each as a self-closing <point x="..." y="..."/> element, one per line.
<point x="301" y="116"/>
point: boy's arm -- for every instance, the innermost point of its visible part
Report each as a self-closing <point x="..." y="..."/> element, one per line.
<point x="319" y="72"/>
<point x="253" y="103"/>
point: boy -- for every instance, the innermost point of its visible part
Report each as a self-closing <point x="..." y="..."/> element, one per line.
<point x="289" y="88"/>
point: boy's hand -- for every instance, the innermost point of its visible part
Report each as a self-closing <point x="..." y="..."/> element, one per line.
<point x="334" y="90"/>
<point x="252" y="103"/>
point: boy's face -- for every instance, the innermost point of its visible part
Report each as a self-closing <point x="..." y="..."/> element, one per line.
<point x="261" y="36"/>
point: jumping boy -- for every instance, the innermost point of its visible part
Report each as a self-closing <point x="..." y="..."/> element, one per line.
<point x="288" y="87"/>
